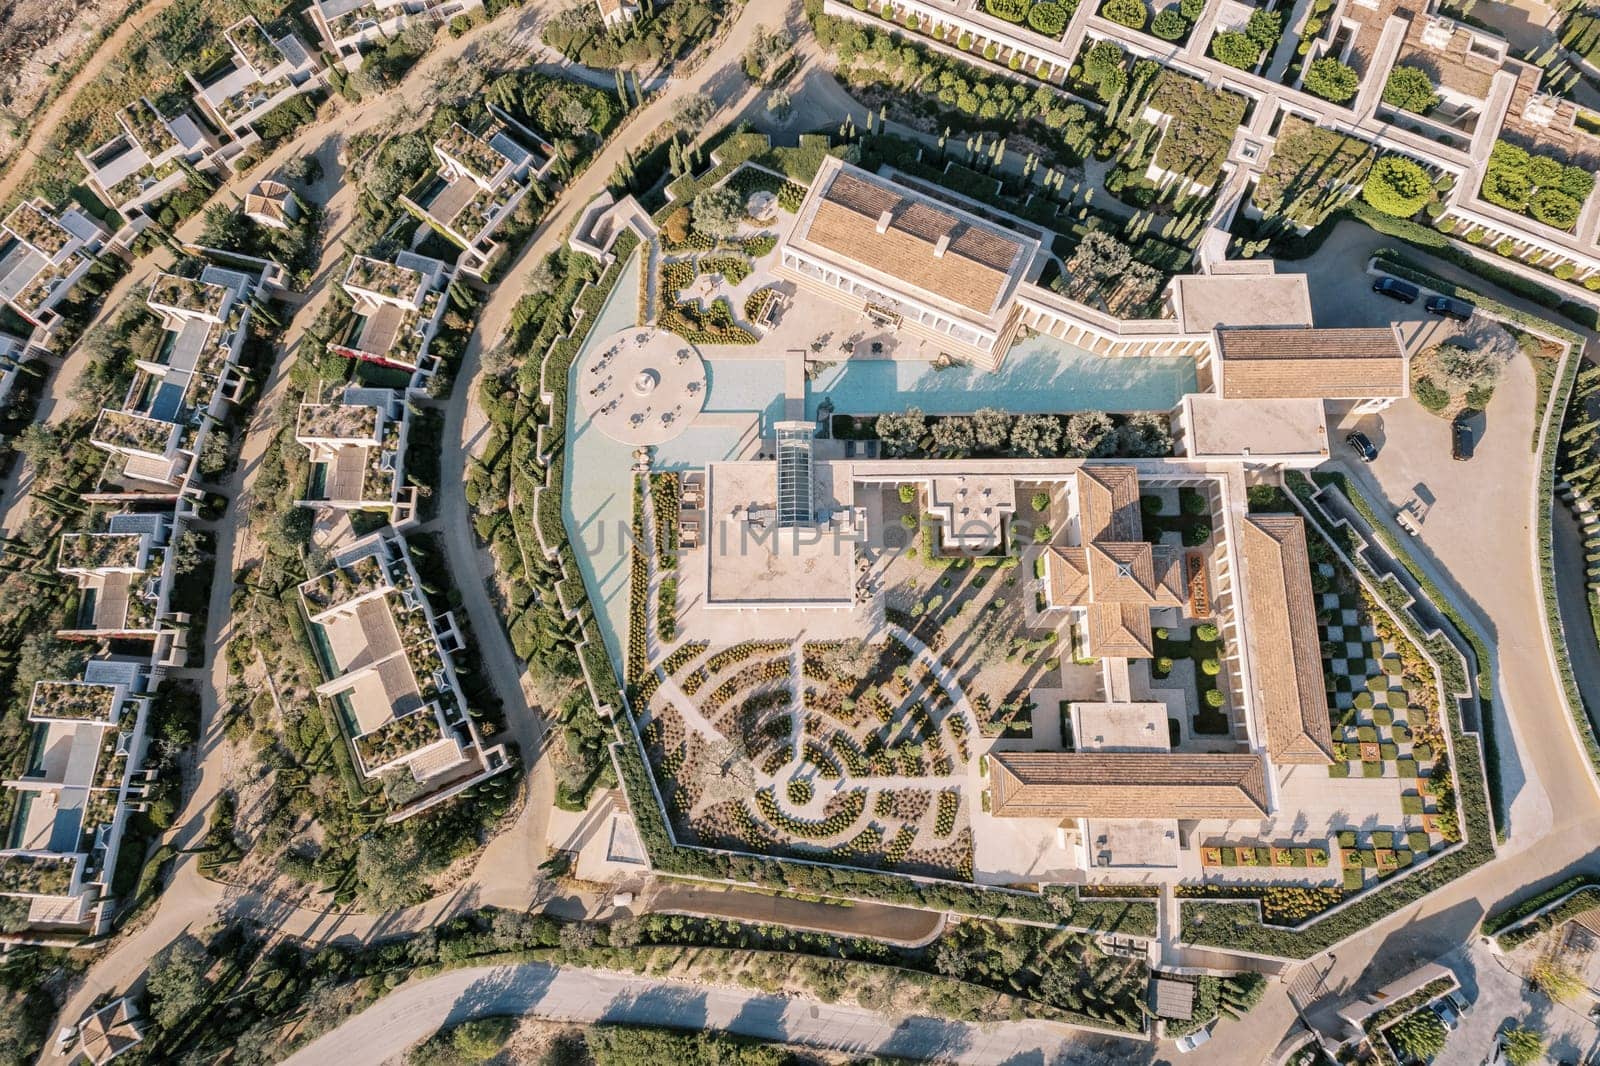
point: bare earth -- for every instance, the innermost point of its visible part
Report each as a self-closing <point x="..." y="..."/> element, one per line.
<point x="37" y="38"/>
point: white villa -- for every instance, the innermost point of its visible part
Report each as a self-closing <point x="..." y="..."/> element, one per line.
<point x="180" y="392"/>
<point x="391" y="678"/>
<point x="357" y="447"/>
<point x="43" y="254"/>
<point x="261" y="74"/>
<point x="71" y="804"/>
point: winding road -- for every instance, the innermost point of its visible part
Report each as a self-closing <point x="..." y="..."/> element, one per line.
<point x="1540" y="852"/>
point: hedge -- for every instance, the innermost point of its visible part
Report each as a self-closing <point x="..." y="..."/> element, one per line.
<point x="1238" y="925"/>
<point x="1576" y="895"/>
<point x="1560" y="397"/>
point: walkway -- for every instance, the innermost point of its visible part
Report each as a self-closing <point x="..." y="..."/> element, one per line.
<point x="542" y="990"/>
<point x="22" y="159"/>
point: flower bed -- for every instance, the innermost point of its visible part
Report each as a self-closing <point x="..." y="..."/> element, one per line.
<point x="386" y="279"/>
<point x="100" y="551"/>
<point x="345" y="583"/>
<point x="841" y="813"/>
<point x="187" y="294"/>
<point x="38" y="229"/>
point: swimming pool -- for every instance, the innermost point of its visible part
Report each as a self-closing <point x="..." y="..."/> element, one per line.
<point x="596" y="497"/>
<point x="1040" y="375"/>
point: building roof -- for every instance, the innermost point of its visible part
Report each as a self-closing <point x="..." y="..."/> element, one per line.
<point x="1068" y="570"/>
<point x="1286" y="650"/>
<point x="1329" y="364"/>
<point x="914" y="240"/>
<point x="1108" y="503"/>
<point x="109" y="1031"/>
<point x="1207" y="301"/>
<point x="1184" y="785"/>
<point x="1120" y="631"/>
<point x="1174" y="997"/>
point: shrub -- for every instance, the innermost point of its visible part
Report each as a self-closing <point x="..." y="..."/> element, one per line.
<point x="1397" y="186"/>
<point x="1564" y="271"/>
<point x="1214" y="698"/>
<point x="1429" y="394"/>
<point x="1130" y="13"/>
<point x="1169" y="25"/>
<point x="908" y="493"/>
<point x="1264" y="28"/>
<point x="1010" y="10"/>
<point x="1331" y="80"/>
<point x="1419" y="1036"/>
<point x="1236" y="50"/>
<point x="1192" y="9"/>
<point x="1048" y="18"/>
<point x="1554" y="208"/>
<point x="1210" y="667"/>
<point x="1206" y="631"/>
<point x="1041" y="501"/>
<point x="1410" y="89"/>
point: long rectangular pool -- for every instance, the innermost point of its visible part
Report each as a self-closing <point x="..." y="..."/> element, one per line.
<point x="1040" y="375"/>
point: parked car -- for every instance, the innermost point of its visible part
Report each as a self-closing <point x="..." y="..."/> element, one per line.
<point x="1449" y="1010"/>
<point x="1363" y="446"/>
<point x="1461" y="439"/>
<point x="1186" y="1044"/>
<point x="1396" y="289"/>
<point x="1449" y="307"/>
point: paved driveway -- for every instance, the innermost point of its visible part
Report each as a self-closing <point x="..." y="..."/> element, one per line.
<point x="417" y="1009"/>
<point x="1497" y="996"/>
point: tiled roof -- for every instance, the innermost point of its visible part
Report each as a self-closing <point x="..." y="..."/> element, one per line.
<point x="1120" y="631"/>
<point x="972" y="269"/>
<point x="1286" y="651"/>
<point x="1059" y="785"/>
<point x="1122" y="572"/>
<point x="1108" y="503"/>
<point x="1068" y="569"/>
<point x="1333" y="364"/>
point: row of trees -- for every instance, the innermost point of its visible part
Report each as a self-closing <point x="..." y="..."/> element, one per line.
<point x="989" y="431"/>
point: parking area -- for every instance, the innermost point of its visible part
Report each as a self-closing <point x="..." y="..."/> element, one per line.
<point x="1498" y="997"/>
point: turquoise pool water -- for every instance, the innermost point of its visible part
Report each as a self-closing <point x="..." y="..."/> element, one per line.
<point x="597" y="497"/>
<point x="1042" y="374"/>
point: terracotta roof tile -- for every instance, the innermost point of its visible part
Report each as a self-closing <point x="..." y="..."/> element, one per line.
<point x="1285" y="649"/>
<point x="1318" y="363"/>
<point x="1108" y="503"/>
<point x="974" y="268"/>
<point x="1059" y="785"/>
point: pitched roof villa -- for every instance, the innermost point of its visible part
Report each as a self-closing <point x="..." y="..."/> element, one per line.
<point x="1115" y="576"/>
<point x="1325" y="364"/>
<point x="1283" y="628"/>
<point x="1116" y="785"/>
<point x="942" y="273"/>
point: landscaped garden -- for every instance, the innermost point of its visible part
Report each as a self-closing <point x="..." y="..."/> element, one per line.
<point x="1048" y="17"/>
<point x="1200" y="653"/>
<point x="1539" y="186"/>
<point x="865" y="768"/>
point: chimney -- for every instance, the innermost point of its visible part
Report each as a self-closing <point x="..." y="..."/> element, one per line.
<point x="883" y="221"/>
<point x="944" y="242"/>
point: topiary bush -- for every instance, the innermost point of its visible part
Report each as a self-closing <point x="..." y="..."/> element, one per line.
<point x="1331" y="80"/>
<point x="1236" y="50"/>
<point x="1169" y="25"/>
<point x="1397" y="186"/>
<point x="1130" y="13"/>
<point x="1010" y="10"/>
<point x="1410" y="89"/>
<point x="1048" y="18"/>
